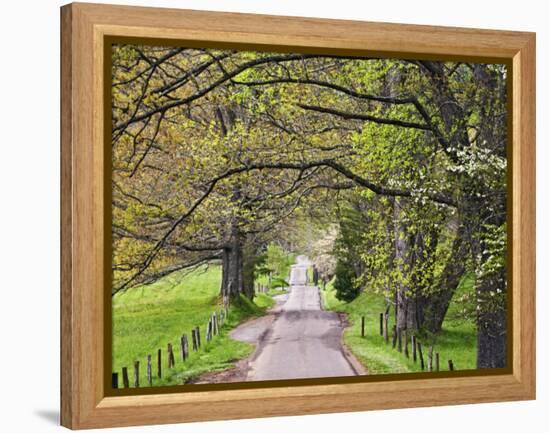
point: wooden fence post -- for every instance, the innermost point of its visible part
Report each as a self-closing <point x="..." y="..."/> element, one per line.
<point x="183" y="343"/>
<point x="436" y="361"/>
<point x="125" y="380"/>
<point x="399" y="341"/>
<point x="386" y="336"/>
<point x="381" y="324"/>
<point x="136" y="374"/>
<point x="363" y="326"/>
<point x="185" y="347"/>
<point x="451" y="366"/>
<point x="406" y="345"/>
<point x="213" y="321"/>
<point x="420" y="355"/>
<point x="182" y="348"/>
<point x="198" y="334"/>
<point x="430" y="358"/>
<point x="114" y="380"/>
<point x="172" y="359"/>
<point x="394" y="336"/>
<point x="213" y="325"/>
<point x="413" y="343"/>
<point x="170" y="356"/>
<point x="194" y="340"/>
<point x="149" y="371"/>
<point x="159" y="363"/>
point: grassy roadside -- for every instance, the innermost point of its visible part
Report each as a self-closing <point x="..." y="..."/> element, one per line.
<point x="147" y="318"/>
<point x="275" y="292"/>
<point x="456" y="342"/>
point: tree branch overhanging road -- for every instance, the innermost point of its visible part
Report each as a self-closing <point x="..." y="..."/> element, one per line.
<point x="215" y="151"/>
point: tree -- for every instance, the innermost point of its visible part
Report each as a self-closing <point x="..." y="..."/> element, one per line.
<point x="323" y="254"/>
<point x="344" y="282"/>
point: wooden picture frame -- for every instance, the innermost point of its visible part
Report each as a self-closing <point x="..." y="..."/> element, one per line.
<point x="85" y="403"/>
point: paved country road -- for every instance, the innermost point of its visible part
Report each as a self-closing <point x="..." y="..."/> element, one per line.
<point x="298" y="272"/>
<point x="303" y="341"/>
<point x="296" y="340"/>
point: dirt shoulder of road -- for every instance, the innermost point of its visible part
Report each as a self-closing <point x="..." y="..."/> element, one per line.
<point x="252" y="331"/>
<point x="355" y="364"/>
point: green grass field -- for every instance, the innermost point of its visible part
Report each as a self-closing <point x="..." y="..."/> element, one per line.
<point x="147" y="318"/>
<point x="456" y="342"/>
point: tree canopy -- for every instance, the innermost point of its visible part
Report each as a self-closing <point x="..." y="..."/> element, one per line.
<point x="217" y="153"/>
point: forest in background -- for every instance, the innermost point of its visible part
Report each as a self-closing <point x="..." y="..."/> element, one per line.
<point x="390" y="174"/>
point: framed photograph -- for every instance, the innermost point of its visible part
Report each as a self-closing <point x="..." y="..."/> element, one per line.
<point x="267" y="216"/>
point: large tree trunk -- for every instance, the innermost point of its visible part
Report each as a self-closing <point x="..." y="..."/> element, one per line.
<point x="491" y="286"/>
<point x="235" y="280"/>
<point x="491" y="293"/>
<point x="238" y="267"/>
<point x="249" y="264"/>
<point x="438" y="303"/>
<point x="232" y="267"/>
<point x="491" y="326"/>
<point x="406" y="305"/>
<point x="232" y="277"/>
<point x="415" y="259"/>
<point x="407" y="311"/>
